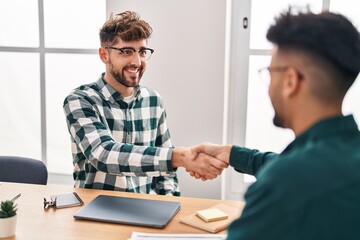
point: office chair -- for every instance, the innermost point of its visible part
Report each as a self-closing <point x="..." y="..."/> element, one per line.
<point x="22" y="170"/>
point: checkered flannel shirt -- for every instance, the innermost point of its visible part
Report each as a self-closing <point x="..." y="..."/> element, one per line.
<point x="120" y="146"/>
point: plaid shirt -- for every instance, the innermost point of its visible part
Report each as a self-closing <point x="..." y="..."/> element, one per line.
<point x="120" y="146"/>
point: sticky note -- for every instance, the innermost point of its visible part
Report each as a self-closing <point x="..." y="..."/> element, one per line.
<point x="211" y="215"/>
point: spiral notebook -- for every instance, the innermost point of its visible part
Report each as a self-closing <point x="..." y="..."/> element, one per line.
<point x="132" y="211"/>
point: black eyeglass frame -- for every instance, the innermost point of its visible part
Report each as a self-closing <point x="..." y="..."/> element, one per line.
<point x="122" y="50"/>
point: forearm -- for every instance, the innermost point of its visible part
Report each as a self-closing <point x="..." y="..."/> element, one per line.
<point x="179" y="157"/>
<point x="131" y="160"/>
<point x="247" y="160"/>
<point x="94" y="140"/>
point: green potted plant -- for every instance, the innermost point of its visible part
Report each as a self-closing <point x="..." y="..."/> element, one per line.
<point x="8" y="218"/>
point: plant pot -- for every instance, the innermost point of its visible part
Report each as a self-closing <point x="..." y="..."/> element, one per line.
<point x="7" y="226"/>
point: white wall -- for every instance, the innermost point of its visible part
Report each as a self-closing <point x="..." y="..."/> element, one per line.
<point x="187" y="69"/>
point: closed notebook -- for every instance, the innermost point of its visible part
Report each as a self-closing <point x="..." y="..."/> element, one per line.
<point x="216" y="226"/>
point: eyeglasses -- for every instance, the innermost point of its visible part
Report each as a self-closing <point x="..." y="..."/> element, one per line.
<point x="265" y="72"/>
<point x="50" y="203"/>
<point x="129" y="52"/>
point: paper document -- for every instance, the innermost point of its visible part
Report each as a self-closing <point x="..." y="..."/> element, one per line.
<point x="157" y="236"/>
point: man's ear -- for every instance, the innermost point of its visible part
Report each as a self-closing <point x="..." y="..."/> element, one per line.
<point x="292" y="82"/>
<point x="103" y="55"/>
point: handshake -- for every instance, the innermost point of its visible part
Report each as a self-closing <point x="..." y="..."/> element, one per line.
<point x="204" y="161"/>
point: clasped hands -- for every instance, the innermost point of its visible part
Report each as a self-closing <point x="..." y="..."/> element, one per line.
<point x="204" y="161"/>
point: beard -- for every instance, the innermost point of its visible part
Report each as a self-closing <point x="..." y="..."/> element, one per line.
<point x="278" y="120"/>
<point x="277" y="105"/>
<point x="120" y="76"/>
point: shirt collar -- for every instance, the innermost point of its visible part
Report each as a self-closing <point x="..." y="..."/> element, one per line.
<point x="337" y="125"/>
<point x="111" y="94"/>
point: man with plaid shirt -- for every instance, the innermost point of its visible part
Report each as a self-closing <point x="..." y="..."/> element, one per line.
<point x="120" y="139"/>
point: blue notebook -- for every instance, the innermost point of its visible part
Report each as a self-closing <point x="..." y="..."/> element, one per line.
<point x="132" y="211"/>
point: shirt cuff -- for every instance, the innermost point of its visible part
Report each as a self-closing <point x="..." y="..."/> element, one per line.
<point x="165" y="162"/>
<point x="238" y="158"/>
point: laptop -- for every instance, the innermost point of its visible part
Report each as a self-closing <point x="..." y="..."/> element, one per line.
<point x="132" y="211"/>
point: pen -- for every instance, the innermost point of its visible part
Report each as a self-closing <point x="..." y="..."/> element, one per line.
<point x="16" y="197"/>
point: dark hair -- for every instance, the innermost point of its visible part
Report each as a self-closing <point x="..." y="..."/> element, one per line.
<point x="327" y="36"/>
<point x="127" y="26"/>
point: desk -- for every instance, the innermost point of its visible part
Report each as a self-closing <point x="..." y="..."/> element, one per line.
<point x="36" y="223"/>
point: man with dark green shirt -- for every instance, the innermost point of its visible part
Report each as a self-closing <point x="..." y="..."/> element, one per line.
<point x="312" y="189"/>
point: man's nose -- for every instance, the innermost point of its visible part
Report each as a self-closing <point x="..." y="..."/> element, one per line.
<point x="136" y="59"/>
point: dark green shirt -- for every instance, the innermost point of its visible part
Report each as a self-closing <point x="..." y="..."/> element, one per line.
<point x="309" y="191"/>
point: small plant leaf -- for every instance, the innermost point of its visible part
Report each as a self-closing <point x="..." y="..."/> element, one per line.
<point x="7" y="209"/>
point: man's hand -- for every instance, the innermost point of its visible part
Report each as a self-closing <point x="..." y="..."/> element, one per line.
<point x="206" y="166"/>
<point x="219" y="152"/>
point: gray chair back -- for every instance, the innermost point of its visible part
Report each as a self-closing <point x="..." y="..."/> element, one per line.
<point x="22" y="170"/>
